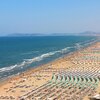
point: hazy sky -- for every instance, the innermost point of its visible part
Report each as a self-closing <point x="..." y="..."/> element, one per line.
<point x="49" y="16"/>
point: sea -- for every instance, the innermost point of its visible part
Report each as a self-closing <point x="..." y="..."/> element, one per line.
<point x="18" y="54"/>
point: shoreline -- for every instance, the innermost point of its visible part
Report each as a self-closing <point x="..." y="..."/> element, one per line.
<point x="39" y="67"/>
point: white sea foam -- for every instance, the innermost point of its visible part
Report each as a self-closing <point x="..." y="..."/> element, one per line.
<point x="78" y="46"/>
<point x="8" y="68"/>
<point x="84" y="44"/>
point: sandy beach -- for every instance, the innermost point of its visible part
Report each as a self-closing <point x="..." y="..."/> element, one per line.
<point x="85" y="60"/>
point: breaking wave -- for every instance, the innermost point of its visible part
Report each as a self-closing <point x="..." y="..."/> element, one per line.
<point x="84" y="44"/>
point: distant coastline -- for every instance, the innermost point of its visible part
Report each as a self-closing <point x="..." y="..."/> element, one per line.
<point x="86" y="33"/>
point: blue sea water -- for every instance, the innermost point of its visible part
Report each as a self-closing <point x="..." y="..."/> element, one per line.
<point x="17" y="54"/>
